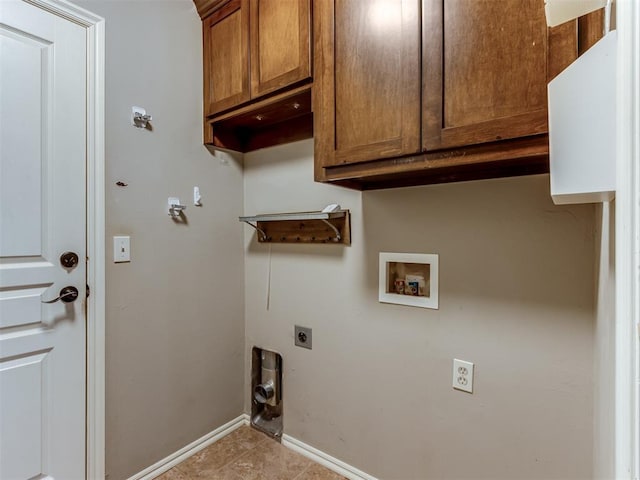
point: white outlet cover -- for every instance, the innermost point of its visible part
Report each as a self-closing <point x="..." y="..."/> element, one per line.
<point x="462" y="375"/>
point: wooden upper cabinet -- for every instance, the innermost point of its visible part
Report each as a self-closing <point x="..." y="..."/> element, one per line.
<point x="252" y="48"/>
<point x="410" y="92"/>
<point x="226" y="57"/>
<point x="486" y="67"/>
<point x="367" y="80"/>
<point x="280" y="44"/>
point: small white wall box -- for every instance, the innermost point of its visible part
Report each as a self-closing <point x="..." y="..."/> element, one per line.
<point x="582" y="127"/>
<point x="409" y="279"/>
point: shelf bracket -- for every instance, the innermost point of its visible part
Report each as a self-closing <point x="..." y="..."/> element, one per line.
<point x="333" y="227"/>
<point x="259" y="230"/>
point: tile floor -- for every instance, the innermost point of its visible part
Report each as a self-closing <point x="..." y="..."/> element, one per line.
<point x="247" y="454"/>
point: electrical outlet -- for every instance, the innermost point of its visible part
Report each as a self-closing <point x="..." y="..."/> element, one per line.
<point x="302" y="337"/>
<point x="462" y="375"/>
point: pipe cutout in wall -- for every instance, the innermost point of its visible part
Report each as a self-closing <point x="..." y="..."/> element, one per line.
<point x="266" y="391"/>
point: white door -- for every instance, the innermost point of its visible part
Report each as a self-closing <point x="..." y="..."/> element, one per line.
<point x="42" y="215"/>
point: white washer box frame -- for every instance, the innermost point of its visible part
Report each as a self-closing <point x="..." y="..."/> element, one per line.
<point x="430" y="259"/>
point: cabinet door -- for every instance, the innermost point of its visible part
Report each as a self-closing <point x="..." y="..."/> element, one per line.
<point x="486" y="67"/>
<point x="226" y="57"/>
<point x="366" y="80"/>
<point x="280" y="44"/>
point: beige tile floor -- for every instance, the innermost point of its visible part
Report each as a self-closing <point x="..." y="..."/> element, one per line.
<point x="247" y="454"/>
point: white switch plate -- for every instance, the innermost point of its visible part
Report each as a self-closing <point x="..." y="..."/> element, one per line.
<point x="121" y="249"/>
<point x="463" y="375"/>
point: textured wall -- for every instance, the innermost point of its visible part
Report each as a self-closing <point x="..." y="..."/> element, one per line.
<point x="516" y="298"/>
<point x="175" y="328"/>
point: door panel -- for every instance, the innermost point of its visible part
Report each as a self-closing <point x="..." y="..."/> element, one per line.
<point x="26" y="74"/>
<point x="491" y="80"/>
<point x="23" y="418"/>
<point x="42" y="214"/>
<point x="280" y="44"/>
<point x="226" y="57"/>
<point x="368" y="72"/>
<point x="20" y="307"/>
<point x="485" y="78"/>
<point x="376" y="111"/>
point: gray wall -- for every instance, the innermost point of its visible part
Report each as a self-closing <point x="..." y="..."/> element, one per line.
<point x="175" y="328"/>
<point x="516" y="285"/>
<point x="516" y="298"/>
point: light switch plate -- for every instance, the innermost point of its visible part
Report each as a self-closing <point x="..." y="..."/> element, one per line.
<point x="121" y="249"/>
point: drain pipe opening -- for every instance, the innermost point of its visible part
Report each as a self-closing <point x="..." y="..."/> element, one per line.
<point x="264" y="392"/>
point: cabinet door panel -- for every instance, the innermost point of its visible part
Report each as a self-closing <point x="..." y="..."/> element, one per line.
<point x="226" y="61"/>
<point x="368" y="92"/>
<point x="280" y="44"/>
<point x="486" y="70"/>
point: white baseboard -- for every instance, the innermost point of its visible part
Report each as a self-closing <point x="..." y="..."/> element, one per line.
<point x="302" y="448"/>
<point x="322" y="458"/>
<point x="175" y="458"/>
